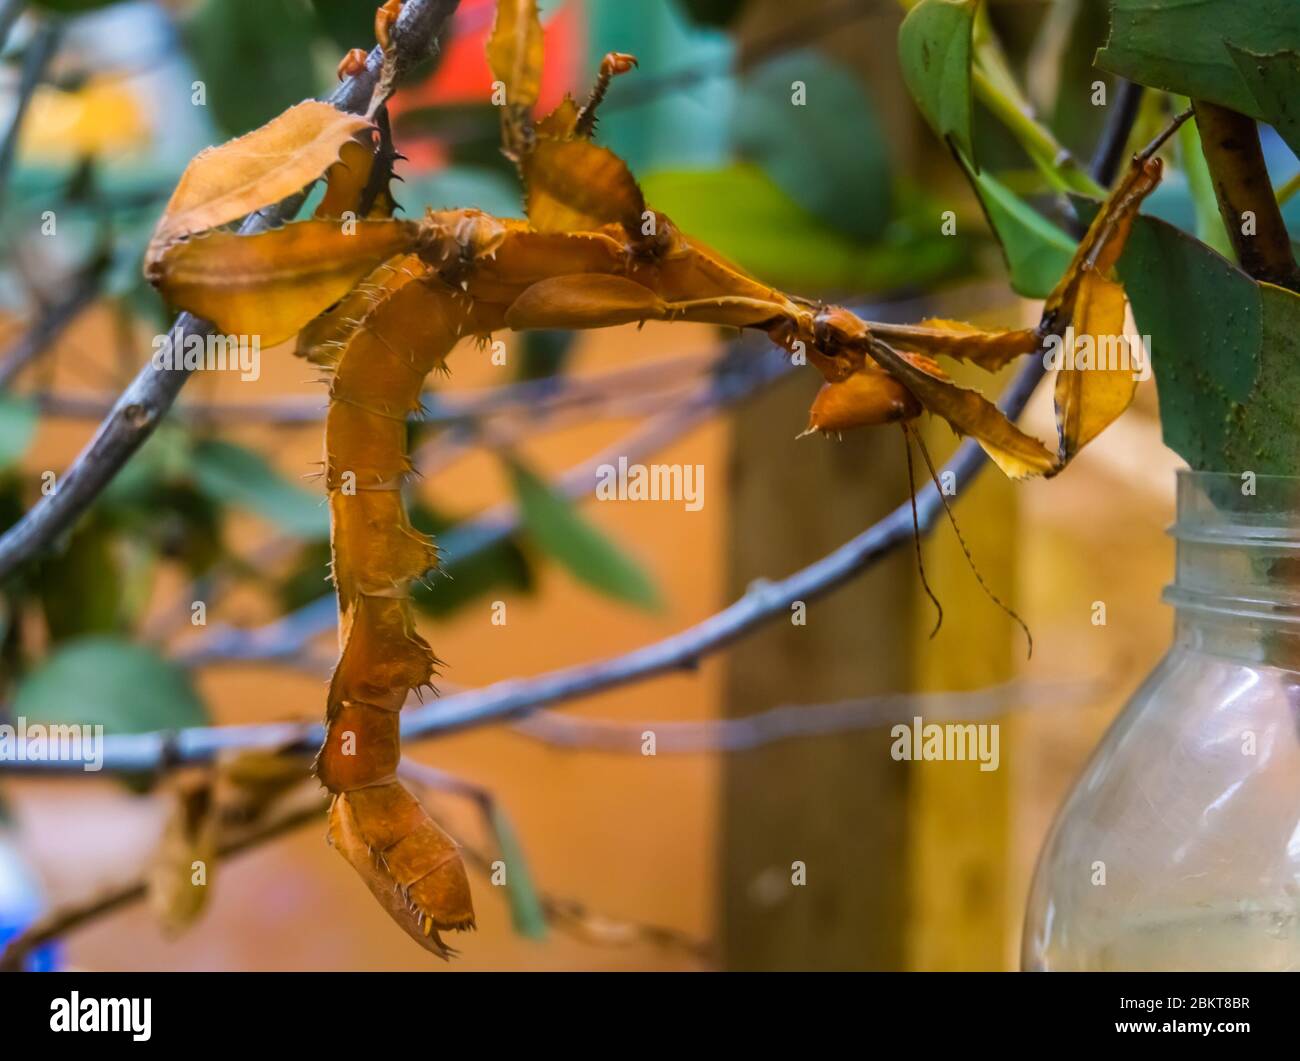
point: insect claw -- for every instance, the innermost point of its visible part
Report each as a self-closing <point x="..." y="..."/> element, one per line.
<point x="352" y="63"/>
<point x="385" y="16"/>
<point x="616" y="63"/>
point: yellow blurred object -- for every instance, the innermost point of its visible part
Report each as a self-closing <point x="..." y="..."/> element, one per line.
<point x="102" y="116"/>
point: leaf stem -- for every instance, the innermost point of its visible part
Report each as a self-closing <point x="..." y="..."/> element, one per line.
<point x="1287" y="189"/>
<point x="1037" y="140"/>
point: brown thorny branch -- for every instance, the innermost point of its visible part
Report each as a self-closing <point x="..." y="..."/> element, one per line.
<point x="811" y="582"/>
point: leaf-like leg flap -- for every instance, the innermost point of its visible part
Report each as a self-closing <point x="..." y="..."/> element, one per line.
<point x="409" y="864"/>
<point x="1097" y="383"/>
<point x="224" y="183"/>
<point x="587" y="300"/>
<point x="273" y="283"/>
<point x="322" y="341"/>
<point x="514" y="54"/>
<point x="867" y="398"/>
<point x="575" y="186"/>
<point x="1106" y="237"/>
<point x="957" y="339"/>
<point x="969" y="412"/>
<point x="730" y="311"/>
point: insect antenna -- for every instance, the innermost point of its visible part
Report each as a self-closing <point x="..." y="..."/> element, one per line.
<point x="1168" y="131"/>
<point x="934" y="477"/>
<point x="916" y="528"/>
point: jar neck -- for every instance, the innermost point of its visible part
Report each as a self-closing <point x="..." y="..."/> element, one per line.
<point x="1236" y="589"/>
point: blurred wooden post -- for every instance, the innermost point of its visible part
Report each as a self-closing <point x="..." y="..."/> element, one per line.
<point x="959" y="836"/>
<point x="837" y="805"/>
<point x="905" y="864"/>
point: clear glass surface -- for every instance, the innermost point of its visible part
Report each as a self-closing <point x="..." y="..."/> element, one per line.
<point x="1179" y="848"/>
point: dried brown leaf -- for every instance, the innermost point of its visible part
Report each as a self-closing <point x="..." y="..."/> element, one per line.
<point x="957" y="339"/>
<point x="514" y="51"/>
<point x="273" y="283"/>
<point x="227" y="182"/>
<point x="969" y="412"/>
<point x="1089" y="398"/>
<point x="576" y="186"/>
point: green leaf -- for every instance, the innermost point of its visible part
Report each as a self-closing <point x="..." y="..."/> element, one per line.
<point x="469" y="132"/>
<point x="1179" y="46"/>
<point x="254" y="58"/>
<point x="934" y="48"/>
<point x="741" y="213"/>
<point x="502" y="565"/>
<point x="459" y="187"/>
<point x="827" y="153"/>
<point x="17" y="427"/>
<point x="80" y="586"/>
<point x="236" y="475"/>
<point x="1266" y="436"/>
<point x="1036" y="251"/>
<point x="1274" y="81"/>
<point x="349" y="23"/>
<point x="1226" y="353"/>
<point x="545" y="353"/>
<point x="712" y="12"/>
<point x="576" y="544"/>
<point x="109" y="681"/>
<point x="526" y="913"/>
<point x="73" y="7"/>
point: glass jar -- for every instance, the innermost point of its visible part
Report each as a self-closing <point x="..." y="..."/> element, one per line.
<point x="1179" y="848"/>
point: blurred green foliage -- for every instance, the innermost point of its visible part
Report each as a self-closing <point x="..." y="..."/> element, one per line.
<point x="809" y="194"/>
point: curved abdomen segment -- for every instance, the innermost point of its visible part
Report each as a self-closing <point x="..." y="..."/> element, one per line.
<point x="409" y="863"/>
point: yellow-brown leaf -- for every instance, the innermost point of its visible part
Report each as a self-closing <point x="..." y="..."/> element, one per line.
<point x="350" y="184"/>
<point x="1104" y="241"/>
<point x="970" y="413"/>
<point x="591" y="300"/>
<point x="1089" y="399"/>
<point x="575" y="186"/>
<point x="182" y="867"/>
<point x="957" y="339"/>
<point x="271" y="284"/>
<point x="865" y="399"/>
<point x="514" y="51"/>
<point x="224" y="183"/>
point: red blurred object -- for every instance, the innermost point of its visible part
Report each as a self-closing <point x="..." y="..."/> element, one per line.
<point x="463" y="75"/>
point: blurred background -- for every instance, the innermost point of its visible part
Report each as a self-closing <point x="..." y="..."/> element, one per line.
<point x="681" y="860"/>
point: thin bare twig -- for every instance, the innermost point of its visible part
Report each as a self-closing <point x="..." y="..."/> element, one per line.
<point x="285" y="637"/>
<point x="537" y="398"/>
<point x="567" y="915"/>
<point x="10" y="12"/>
<point x="517" y="698"/>
<point x="146" y="400"/>
<point x="40" y="53"/>
<point x="795" y="721"/>
<point x="50" y="323"/>
<point x="66" y="919"/>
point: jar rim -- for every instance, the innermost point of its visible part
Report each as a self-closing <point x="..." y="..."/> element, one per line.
<point x="1193" y="475"/>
